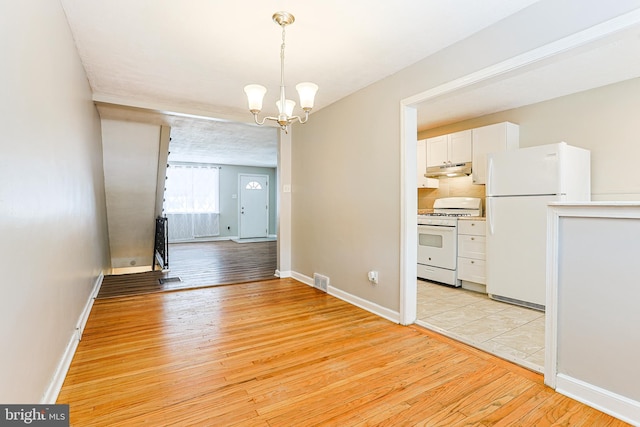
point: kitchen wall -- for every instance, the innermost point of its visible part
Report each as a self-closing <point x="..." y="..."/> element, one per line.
<point x="54" y="245"/>
<point x="450" y="187"/>
<point x="347" y="161"/>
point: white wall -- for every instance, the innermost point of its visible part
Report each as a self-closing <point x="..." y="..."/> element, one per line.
<point x="131" y="175"/>
<point x="52" y="210"/>
<point x="346" y="164"/>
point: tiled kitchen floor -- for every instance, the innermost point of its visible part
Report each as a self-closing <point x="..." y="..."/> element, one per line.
<point x="508" y="331"/>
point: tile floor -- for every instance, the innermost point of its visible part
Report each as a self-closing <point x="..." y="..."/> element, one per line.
<point x="508" y="331"/>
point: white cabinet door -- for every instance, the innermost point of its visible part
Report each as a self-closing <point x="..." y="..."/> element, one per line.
<point x="471" y="246"/>
<point x="452" y="148"/>
<point x="437" y="150"/>
<point x="471" y="251"/>
<point x="421" y="154"/>
<point x="490" y="139"/>
<point x="460" y="147"/>
<point x="472" y="270"/>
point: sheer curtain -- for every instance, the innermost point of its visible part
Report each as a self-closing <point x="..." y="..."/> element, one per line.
<point x="192" y="201"/>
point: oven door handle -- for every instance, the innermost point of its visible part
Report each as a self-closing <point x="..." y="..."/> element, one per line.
<point x="440" y="228"/>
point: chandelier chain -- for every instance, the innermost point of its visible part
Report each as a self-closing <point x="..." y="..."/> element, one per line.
<point x="282" y="96"/>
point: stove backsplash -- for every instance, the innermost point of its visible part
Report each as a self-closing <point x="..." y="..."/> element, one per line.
<point x="450" y="187"/>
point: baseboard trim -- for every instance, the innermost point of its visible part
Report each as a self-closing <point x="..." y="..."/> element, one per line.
<point x="302" y="278"/>
<point x="283" y="274"/>
<point x="371" y="307"/>
<point x="53" y="390"/>
<point x="618" y="406"/>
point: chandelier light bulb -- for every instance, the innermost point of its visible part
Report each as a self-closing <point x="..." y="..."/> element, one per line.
<point x="307" y="93"/>
<point x="289" y="105"/>
<point x="255" y="95"/>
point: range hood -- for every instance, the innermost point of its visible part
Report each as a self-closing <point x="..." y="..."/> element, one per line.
<point x="449" y="170"/>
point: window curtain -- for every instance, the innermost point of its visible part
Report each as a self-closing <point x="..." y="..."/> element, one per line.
<point x="192" y="202"/>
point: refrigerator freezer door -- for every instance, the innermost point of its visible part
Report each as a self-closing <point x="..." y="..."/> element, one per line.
<point x="527" y="171"/>
<point x="516" y="247"/>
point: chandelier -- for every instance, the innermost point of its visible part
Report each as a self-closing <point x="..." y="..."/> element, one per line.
<point x="306" y="91"/>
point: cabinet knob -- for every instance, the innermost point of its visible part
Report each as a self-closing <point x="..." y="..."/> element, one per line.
<point x="473" y="262"/>
<point x="473" y="238"/>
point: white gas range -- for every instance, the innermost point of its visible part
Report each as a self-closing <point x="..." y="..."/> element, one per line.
<point x="438" y="238"/>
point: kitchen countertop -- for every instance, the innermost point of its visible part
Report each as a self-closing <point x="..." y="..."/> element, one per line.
<point x="472" y="218"/>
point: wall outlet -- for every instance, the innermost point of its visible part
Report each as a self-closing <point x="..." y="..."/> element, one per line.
<point x="373" y="277"/>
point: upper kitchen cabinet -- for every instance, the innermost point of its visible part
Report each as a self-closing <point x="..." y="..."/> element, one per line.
<point x="452" y="148"/>
<point x="423" y="181"/>
<point x="489" y="139"/>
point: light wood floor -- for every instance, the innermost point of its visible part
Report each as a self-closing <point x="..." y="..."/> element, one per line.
<point x="199" y="264"/>
<point x="281" y="353"/>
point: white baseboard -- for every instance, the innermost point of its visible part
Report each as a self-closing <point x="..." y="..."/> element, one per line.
<point x="53" y="390"/>
<point x="374" y="308"/>
<point x="84" y="316"/>
<point x="371" y="307"/>
<point x="283" y="274"/>
<point x="302" y="278"/>
<point x="618" y="406"/>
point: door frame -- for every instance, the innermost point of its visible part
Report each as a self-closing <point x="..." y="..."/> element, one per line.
<point x="526" y="61"/>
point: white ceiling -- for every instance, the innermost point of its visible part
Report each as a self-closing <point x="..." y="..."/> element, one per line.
<point x="605" y="60"/>
<point x="194" y="58"/>
<point x="185" y="63"/>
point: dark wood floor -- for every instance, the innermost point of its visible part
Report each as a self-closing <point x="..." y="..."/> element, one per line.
<point x="197" y="265"/>
<point x="281" y="353"/>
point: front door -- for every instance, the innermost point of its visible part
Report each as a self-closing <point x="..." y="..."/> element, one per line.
<point x="254" y="206"/>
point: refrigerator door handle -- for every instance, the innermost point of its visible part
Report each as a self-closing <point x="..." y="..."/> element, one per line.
<point x="490" y="214"/>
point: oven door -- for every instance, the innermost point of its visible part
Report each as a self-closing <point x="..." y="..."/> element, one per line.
<point x="437" y="246"/>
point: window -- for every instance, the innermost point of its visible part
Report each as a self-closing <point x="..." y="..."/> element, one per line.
<point x="253" y="185"/>
<point x="192" y="189"/>
<point x="192" y="202"/>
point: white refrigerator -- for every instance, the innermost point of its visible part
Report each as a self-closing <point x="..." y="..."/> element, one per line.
<point x="520" y="184"/>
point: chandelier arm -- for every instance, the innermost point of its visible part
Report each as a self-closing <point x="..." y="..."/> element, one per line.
<point x="264" y="119"/>
<point x="306" y="117"/>
<point x="259" y="123"/>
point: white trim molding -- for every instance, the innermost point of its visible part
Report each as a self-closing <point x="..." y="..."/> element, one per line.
<point x="371" y="307"/>
<point x="55" y="385"/>
<point x="618" y="406"/>
<point x="577" y="287"/>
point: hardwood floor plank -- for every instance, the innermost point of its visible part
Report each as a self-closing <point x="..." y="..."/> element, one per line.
<point x="199" y="264"/>
<point x="280" y="353"/>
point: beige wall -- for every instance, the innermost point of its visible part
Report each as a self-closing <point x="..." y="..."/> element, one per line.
<point x="346" y="162"/>
<point x="52" y="208"/>
<point x="450" y="187"/>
